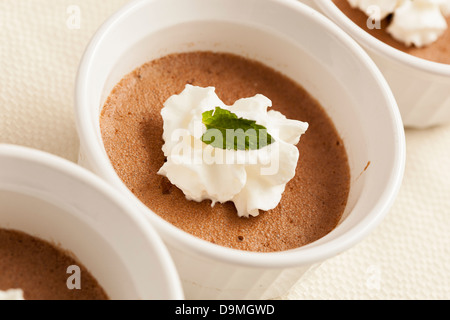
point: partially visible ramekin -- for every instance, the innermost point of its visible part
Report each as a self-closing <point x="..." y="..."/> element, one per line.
<point x="70" y="207"/>
<point x="299" y="42"/>
<point x="421" y="87"/>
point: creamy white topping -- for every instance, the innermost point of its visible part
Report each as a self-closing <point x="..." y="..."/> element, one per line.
<point x="444" y="5"/>
<point x="253" y="179"/>
<point x="418" y="23"/>
<point x="415" y="22"/>
<point x="12" y="294"/>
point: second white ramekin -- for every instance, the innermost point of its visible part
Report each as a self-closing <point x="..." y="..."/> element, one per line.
<point x="60" y="202"/>
<point x="421" y="87"/>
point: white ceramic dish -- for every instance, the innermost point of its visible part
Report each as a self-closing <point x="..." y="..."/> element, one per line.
<point x="295" y="40"/>
<point x="60" y="202"/>
<point x="421" y="87"/>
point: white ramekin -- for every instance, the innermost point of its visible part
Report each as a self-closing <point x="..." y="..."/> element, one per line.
<point x="60" y="202"/>
<point x="294" y="39"/>
<point x="421" y="87"/>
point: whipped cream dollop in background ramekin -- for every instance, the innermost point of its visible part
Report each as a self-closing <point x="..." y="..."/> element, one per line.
<point x="253" y="179"/>
<point x="12" y="294"/>
<point x="414" y="22"/>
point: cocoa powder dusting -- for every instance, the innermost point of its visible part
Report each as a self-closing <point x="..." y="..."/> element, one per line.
<point x="132" y="130"/>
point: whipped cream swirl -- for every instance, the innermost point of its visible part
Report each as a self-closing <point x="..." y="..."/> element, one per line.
<point x="253" y="179"/>
<point x="415" y="22"/>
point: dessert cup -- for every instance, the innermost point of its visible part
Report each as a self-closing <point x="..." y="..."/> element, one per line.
<point x="295" y="40"/>
<point x="59" y="202"/>
<point x="419" y="86"/>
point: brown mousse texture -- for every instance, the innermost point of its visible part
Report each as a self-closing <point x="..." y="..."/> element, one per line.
<point x="438" y="51"/>
<point x="132" y="129"/>
<point x="40" y="270"/>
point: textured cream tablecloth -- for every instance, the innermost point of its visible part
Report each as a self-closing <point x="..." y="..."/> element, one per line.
<point x="406" y="257"/>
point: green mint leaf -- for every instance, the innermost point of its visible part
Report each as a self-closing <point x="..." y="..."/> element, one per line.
<point x="226" y="131"/>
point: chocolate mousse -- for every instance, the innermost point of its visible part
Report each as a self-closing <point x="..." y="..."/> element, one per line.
<point x="439" y="51"/>
<point x="132" y="130"/>
<point x="39" y="269"/>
